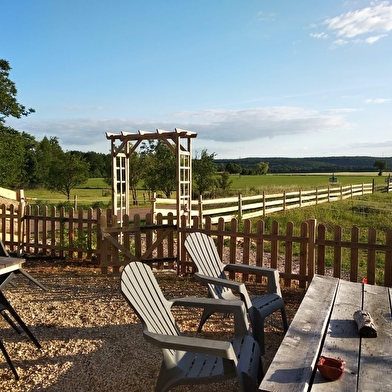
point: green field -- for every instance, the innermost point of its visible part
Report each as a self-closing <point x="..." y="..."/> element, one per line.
<point x="97" y="191"/>
<point x="304" y="181"/>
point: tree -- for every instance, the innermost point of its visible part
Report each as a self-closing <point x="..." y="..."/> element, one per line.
<point x="233" y="168"/>
<point x="204" y="172"/>
<point x="261" y="168"/>
<point x="66" y="171"/>
<point x="9" y="106"/>
<point x="100" y="164"/>
<point x="160" y="168"/>
<point x="380" y="166"/>
<point x="17" y="158"/>
<point x="136" y="170"/>
<point x="48" y="150"/>
<point x="224" y="182"/>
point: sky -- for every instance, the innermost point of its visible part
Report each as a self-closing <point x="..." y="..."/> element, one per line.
<point x="253" y="78"/>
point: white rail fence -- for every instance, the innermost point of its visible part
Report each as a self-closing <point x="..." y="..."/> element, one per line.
<point x="248" y="207"/>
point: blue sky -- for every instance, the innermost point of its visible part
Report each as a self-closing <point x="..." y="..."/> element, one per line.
<point x="253" y="78"/>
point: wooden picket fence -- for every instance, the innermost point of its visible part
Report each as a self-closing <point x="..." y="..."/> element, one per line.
<point x="298" y="256"/>
<point x="298" y="252"/>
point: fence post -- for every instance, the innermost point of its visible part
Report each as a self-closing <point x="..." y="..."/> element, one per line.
<point x="373" y="185"/>
<point x="239" y="206"/>
<point x="263" y="204"/>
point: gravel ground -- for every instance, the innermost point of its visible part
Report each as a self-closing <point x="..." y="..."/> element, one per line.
<point x="91" y="339"/>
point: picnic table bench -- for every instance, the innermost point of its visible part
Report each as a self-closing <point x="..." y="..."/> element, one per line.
<point x="324" y="325"/>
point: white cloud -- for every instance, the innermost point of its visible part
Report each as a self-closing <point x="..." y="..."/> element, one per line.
<point x="371" y="40"/>
<point x="265" y="16"/>
<point x="359" y="26"/>
<point x="338" y="43"/>
<point x="378" y="100"/>
<point x="219" y="125"/>
<point x="377" y="18"/>
<point x="343" y="110"/>
<point x="319" y="35"/>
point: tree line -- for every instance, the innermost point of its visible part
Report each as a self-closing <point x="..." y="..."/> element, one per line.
<point x="312" y="164"/>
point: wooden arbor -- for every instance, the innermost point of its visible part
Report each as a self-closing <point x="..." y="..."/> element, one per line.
<point x="124" y="144"/>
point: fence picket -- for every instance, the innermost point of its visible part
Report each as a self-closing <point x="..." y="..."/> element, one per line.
<point x="354" y="254"/>
<point x="274" y="244"/>
<point x="371" y="262"/>
<point x="305" y="251"/>
<point x="388" y="260"/>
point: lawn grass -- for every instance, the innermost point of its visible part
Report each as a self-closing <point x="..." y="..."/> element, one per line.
<point x="246" y="184"/>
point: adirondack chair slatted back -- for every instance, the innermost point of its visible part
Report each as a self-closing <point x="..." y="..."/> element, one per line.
<point x="142" y="292"/>
<point x="201" y="248"/>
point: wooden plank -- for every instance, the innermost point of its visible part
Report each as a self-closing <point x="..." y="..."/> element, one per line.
<point x="292" y="368"/>
<point x="375" y="371"/>
<point x="342" y="340"/>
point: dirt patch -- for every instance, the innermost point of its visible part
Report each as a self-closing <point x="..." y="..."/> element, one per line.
<point x="92" y="340"/>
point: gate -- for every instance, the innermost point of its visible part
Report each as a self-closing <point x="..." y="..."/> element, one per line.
<point x="146" y="241"/>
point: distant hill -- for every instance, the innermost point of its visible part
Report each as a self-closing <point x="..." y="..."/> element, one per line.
<point x="312" y="165"/>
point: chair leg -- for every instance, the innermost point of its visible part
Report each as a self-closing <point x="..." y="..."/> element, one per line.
<point x="204" y="317"/>
<point x="8" y="359"/>
<point x="11" y="310"/>
<point x="9" y="321"/>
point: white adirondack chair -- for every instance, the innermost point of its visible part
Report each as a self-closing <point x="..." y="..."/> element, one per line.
<point x="189" y="360"/>
<point x="202" y="250"/>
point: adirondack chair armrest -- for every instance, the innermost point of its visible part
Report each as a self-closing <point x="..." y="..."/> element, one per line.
<point x="219" y="348"/>
<point x="241" y="325"/>
<point x="230" y="284"/>
<point x="239" y="287"/>
<point x="272" y="275"/>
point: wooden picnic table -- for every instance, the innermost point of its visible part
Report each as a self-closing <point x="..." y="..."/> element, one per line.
<point x="324" y="325"/>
